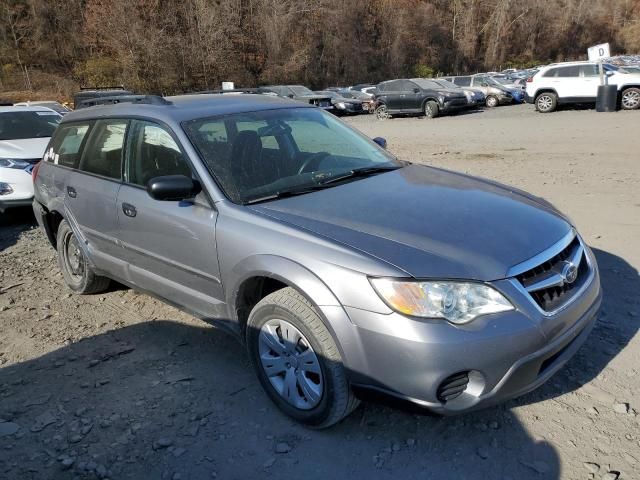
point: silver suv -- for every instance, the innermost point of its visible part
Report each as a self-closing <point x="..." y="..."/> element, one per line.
<point x="341" y="268"/>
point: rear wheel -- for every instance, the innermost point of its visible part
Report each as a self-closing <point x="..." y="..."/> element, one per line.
<point x="382" y="113"/>
<point x="76" y="271"/>
<point x="297" y="361"/>
<point x="546" y="102"/>
<point x="431" y="109"/>
<point x="492" y="101"/>
<point x="630" y="99"/>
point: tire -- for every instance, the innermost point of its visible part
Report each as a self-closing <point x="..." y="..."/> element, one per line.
<point x="317" y="400"/>
<point x="630" y="99"/>
<point x="73" y="263"/>
<point x="546" y="102"/>
<point x="431" y="109"/>
<point x="492" y="101"/>
<point x="382" y="113"/>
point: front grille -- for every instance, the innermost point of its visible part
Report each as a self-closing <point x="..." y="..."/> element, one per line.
<point x="453" y="386"/>
<point x="550" y="284"/>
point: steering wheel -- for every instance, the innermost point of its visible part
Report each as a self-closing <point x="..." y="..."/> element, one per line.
<point x="314" y="158"/>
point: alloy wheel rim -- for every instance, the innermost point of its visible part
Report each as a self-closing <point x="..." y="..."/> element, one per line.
<point x="382" y="113"/>
<point x="492" y="102"/>
<point x="290" y="363"/>
<point x="428" y="111"/>
<point x="631" y="100"/>
<point x="544" y="103"/>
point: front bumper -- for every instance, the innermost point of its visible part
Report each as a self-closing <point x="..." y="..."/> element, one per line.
<point x="505" y="355"/>
<point x="7" y="203"/>
<point x="454" y="104"/>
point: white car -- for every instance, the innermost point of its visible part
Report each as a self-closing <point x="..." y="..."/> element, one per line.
<point x="577" y="82"/>
<point x="24" y="135"/>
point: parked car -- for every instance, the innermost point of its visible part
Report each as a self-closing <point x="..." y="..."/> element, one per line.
<point x="24" y="134"/>
<point x="343" y="105"/>
<point x="87" y="95"/>
<point x="475" y="97"/>
<point x="495" y="94"/>
<point x="416" y="96"/>
<point x="577" y="82"/>
<point x="337" y="265"/>
<point x="368" y="102"/>
<point x="53" y="105"/>
<point x="300" y="94"/>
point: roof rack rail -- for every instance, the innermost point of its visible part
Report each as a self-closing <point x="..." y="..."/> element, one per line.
<point x="116" y="87"/>
<point x="137" y="99"/>
<point x="235" y="90"/>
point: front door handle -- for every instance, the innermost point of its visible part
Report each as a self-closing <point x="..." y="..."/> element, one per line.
<point x="129" y="210"/>
<point x="72" y="192"/>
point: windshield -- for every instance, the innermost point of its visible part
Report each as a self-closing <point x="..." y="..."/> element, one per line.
<point x="328" y="93"/>
<point x="258" y="154"/>
<point x="21" y="125"/>
<point x="298" y="90"/>
<point x="502" y="80"/>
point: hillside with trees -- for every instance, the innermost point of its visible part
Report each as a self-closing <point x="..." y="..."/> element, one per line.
<point x="168" y="46"/>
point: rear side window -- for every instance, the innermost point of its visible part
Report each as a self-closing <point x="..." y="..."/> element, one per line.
<point x="66" y="146"/>
<point x="589" y="71"/>
<point x="103" y="152"/>
<point x="462" y="81"/>
<point x="153" y="152"/>
<point x="566" y="72"/>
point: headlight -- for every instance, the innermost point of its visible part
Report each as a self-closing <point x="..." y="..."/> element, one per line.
<point x="5" y="188"/>
<point x="341" y="105"/>
<point x="456" y="302"/>
<point x="13" y="163"/>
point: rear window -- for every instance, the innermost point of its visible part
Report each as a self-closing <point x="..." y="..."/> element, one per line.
<point x="66" y="146"/>
<point x="103" y="153"/>
<point x="462" y="81"/>
<point x="19" y="125"/>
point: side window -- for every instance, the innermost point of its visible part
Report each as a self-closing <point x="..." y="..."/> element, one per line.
<point x="66" y="145"/>
<point x="567" y="72"/>
<point x="152" y="152"/>
<point x="462" y="81"/>
<point x="552" y="72"/>
<point x="382" y="87"/>
<point x="407" y="86"/>
<point x="103" y="153"/>
<point x="589" y="71"/>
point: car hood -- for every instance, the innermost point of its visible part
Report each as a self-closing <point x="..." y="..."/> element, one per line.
<point x="429" y="222"/>
<point x="27" y="148"/>
<point x="312" y="97"/>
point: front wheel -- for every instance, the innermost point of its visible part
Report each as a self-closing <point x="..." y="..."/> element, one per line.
<point x="492" y="101"/>
<point x="546" y="102"/>
<point x="76" y="271"/>
<point x="630" y="99"/>
<point x="382" y="113"/>
<point x="431" y="109"/>
<point x="297" y="361"/>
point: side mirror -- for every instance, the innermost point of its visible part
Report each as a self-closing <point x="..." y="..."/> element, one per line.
<point x="290" y="95"/>
<point x="416" y="90"/>
<point x="173" y="188"/>
<point x="381" y="142"/>
<point x="609" y="73"/>
<point x="484" y="84"/>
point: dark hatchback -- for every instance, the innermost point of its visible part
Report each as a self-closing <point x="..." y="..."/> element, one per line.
<point x="417" y="96"/>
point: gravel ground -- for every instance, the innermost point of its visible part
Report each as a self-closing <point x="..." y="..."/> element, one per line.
<point x="120" y="386"/>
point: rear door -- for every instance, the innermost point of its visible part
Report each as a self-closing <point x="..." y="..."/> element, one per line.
<point x="170" y="245"/>
<point x="393" y="95"/>
<point x="91" y="191"/>
<point x="565" y="81"/>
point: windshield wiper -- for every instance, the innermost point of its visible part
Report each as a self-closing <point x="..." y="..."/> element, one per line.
<point x="284" y="194"/>
<point x="358" y="173"/>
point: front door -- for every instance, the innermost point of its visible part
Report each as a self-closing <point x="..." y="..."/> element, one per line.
<point x="170" y="245"/>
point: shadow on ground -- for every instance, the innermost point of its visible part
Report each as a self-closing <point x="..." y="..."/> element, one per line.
<point x="165" y="400"/>
<point x="12" y="223"/>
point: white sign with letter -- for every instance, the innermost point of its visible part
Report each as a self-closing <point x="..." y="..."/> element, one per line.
<point x="599" y="51"/>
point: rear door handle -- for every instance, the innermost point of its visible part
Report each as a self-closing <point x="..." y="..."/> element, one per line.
<point x="72" y="192"/>
<point x="129" y="210"/>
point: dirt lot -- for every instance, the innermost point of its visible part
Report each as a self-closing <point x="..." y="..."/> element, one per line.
<point x="119" y="385"/>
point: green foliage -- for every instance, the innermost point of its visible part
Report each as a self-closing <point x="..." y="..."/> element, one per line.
<point x="423" y="71"/>
<point x="99" y="72"/>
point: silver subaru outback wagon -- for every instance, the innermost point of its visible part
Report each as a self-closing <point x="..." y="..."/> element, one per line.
<point x="339" y="267"/>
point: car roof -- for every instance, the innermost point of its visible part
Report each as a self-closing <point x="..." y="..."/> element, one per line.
<point x="181" y="108"/>
<point x="21" y="108"/>
<point x="569" y="64"/>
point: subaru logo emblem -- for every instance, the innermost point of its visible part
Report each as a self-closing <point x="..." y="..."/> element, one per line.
<point x="569" y="272"/>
